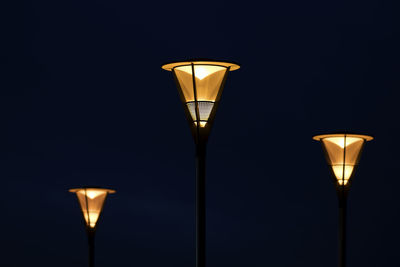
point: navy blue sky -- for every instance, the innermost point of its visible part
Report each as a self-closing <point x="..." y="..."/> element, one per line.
<point x="84" y="101"/>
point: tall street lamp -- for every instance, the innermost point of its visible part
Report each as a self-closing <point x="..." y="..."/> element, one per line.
<point x="342" y="152"/>
<point x="91" y="200"/>
<point x="200" y="84"/>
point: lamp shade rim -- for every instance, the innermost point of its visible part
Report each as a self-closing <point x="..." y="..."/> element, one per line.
<point x="109" y="191"/>
<point x="170" y="65"/>
<point x="322" y="136"/>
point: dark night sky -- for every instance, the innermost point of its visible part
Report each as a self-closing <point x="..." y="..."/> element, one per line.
<point x="84" y="101"/>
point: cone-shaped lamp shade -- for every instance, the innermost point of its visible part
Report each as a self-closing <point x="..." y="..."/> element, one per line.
<point x="343" y="153"/>
<point x="91" y="201"/>
<point x="200" y="84"/>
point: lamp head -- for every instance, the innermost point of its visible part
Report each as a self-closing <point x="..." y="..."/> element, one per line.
<point x="200" y="84"/>
<point x="91" y="200"/>
<point x="343" y="153"/>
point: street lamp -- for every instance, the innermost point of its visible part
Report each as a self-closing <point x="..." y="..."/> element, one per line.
<point x="200" y="84"/>
<point x="91" y="200"/>
<point x="342" y="152"/>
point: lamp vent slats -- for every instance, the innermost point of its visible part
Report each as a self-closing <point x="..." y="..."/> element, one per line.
<point x="205" y="109"/>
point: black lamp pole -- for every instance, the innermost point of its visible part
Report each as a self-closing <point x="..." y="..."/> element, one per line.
<point x="91" y="200"/>
<point x="342" y="196"/>
<point x="201" y="144"/>
<point x="200" y="121"/>
<point x="342" y="150"/>
<point x="201" y="204"/>
<point x="90" y="234"/>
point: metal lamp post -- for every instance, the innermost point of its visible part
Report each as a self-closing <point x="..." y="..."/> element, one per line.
<point x="342" y="152"/>
<point x="200" y="84"/>
<point x="91" y="201"/>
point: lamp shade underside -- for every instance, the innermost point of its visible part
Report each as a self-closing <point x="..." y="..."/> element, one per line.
<point x="200" y="84"/>
<point x="91" y="201"/>
<point x="343" y="153"/>
<point x="203" y="89"/>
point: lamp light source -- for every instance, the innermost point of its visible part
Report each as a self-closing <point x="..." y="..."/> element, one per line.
<point x="200" y="84"/>
<point x="91" y="201"/>
<point x="342" y="152"/>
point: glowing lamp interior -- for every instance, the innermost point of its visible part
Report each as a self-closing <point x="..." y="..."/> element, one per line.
<point x="343" y="153"/>
<point x="340" y="141"/>
<point x="200" y="83"/>
<point x="339" y="171"/>
<point x="202" y="123"/>
<point x="208" y="79"/>
<point x="201" y="71"/>
<point x="91" y="201"/>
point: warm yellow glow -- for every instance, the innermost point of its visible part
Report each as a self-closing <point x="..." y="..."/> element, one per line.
<point x="91" y="201"/>
<point x="93" y="217"/>
<point x="208" y="82"/>
<point x="202" y="123"/>
<point x="343" y="153"/>
<point x="209" y="76"/>
<point x="230" y="65"/>
<point x="323" y="136"/>
<point x="338" y="171"/>
<point x="201" y="71"/>
<point x="340" y="140"/>
<point x="93" y="193"/>
<point x="200" y="81"/>
<point x="343" y="150"/>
